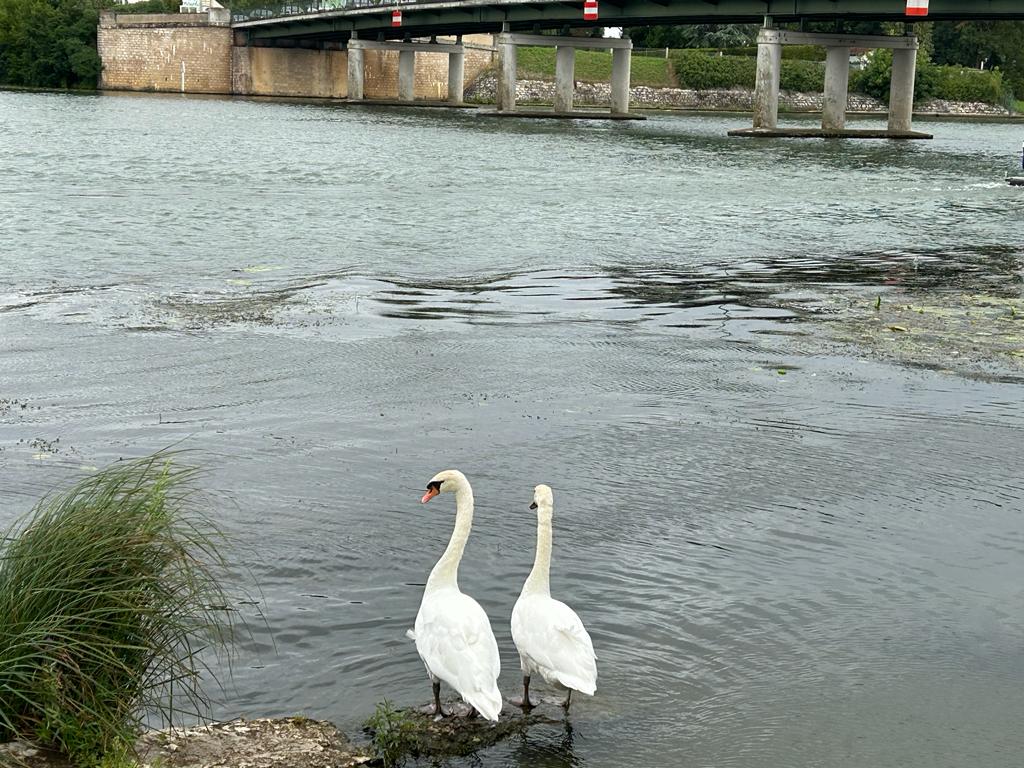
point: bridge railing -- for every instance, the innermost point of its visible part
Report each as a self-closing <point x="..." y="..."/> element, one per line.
<point x="249" y="10"/>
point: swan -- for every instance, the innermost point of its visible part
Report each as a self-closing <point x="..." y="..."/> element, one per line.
<point x="549" y="636"/>
<point x="452" y="632"/>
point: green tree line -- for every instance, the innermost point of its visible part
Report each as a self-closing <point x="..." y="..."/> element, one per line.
<point x="52" y="43"/>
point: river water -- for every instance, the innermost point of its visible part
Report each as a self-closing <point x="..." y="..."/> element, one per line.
<point x="791" y="549"/>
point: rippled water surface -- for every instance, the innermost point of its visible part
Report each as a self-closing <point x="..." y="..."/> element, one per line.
<point x="791" y="550"/>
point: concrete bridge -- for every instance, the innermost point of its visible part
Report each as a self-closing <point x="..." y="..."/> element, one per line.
<point x="362" y="24"/>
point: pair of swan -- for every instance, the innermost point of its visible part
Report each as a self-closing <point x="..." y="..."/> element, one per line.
<point x="453" y="634"/>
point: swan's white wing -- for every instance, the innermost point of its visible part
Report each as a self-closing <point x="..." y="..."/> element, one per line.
<point x="550" y="635"/>
<point x="455" y="641"/>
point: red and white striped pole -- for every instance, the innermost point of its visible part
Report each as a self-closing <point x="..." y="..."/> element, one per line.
<point x="917" y="7"/>
<point x="396" y="18"/>
<point x="590" y="10"/>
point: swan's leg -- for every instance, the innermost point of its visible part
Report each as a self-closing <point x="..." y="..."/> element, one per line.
<point x="526" y="704"/>
<point x="472" y="714"/>
<point x="568" y="699"/>
<point x="438" y="712"/>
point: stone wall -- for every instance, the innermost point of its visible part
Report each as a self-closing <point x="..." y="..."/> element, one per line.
<point x="289" y="72"/>
<point x="149" y="52"/>
<point x="188" y="53"/>
<point x="723" y="100"/>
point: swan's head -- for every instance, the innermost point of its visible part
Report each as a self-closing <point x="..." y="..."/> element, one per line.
<point x="449" y="481"/>
<point x="542" y="498"/>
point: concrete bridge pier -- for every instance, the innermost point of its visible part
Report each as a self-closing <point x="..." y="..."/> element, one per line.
<point x="837" y="87"/>
<point x="406" y="66"/>
<point x="506" y="86"/>
<point x="621" y="60"/>
<point x="766" y="83"/>
<point x="565" y="65"/>
<point x="565" y="83"/>
<point x="901" y="89"/>
<point x="457" y="75"/>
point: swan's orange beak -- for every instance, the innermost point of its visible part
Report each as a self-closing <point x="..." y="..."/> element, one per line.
<point x="431" y="493"/>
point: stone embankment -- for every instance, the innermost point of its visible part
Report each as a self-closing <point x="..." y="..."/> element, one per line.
<point x="483" y="91"/>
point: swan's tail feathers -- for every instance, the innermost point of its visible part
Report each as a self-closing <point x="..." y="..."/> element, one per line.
<point x="410" y="634"/>
<point x="487" y="703"/>
<point x="585" y="685"/>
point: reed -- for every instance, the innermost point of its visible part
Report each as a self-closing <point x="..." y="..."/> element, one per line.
<point x="109" y="597"/>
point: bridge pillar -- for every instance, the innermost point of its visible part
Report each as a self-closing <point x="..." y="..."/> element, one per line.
<point x="565" y="71"/>
<point x="506" y="73"/>
<point x="406" y="75"/>
<point x="901" y="90"/>
<point x="766" y="83"/>
<point x="837" y="85"/>
<point x="621" y="58"/>
<point x="355" y="71"/>
<point x="456" y="77"/>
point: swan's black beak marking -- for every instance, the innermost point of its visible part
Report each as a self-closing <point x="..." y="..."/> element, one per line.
<point x="533" y="505"/>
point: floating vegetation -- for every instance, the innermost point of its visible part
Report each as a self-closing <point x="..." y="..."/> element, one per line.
<point x="970" y="333"/>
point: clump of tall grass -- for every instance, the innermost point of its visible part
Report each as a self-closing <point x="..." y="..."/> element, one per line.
<point x="109" y="593"/>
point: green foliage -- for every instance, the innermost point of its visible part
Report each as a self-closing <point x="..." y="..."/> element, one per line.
<point x="695" y="69"/>
<point x="108" y="593"/>
<point x="931" y="81"/>
<point x="694" y="36"/>
<point x="800" y="75"/>
<point x="49" y="43"/>
<point x="392" y="734"/>
<point x="538" y="63"/>
<point x="151" y="6"/>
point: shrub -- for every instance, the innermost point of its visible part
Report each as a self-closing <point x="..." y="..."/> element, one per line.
<point x="696" y="69"/>
<point x="107" y="596"/>
<point x="808" y="76"/>
<point x="392" y="734"/>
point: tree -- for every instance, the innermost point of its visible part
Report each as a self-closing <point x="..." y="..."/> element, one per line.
<point x="49" y="43"/>
<point x="695" y="36"/>
<point x="987" y="44"/>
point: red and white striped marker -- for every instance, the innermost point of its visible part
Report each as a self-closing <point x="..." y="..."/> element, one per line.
<point x="917" y="7"/>
<point x="590" y="10"/>
<point x="396" y="17"/>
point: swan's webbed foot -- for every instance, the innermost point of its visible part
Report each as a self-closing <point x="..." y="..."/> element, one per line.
<point x="473" y="714"/>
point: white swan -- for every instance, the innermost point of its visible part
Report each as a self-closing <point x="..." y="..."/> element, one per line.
<point x="453" y="635"/>
<point x="550" y="637"/>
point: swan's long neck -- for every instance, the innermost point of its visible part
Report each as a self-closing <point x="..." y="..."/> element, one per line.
<point x="539" y="580"/>
<point x="446" y="572"/>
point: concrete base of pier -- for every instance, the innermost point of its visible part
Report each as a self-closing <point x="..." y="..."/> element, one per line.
<point x="574" y="115"/>
<point x="824" y="133"/>
<point x="403" y="103"/>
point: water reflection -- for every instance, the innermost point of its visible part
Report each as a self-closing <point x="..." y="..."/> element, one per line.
<point x="547" y="748"/>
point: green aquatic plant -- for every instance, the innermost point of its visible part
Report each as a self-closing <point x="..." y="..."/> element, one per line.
<point x="392" y="734"/>
<point x="109" y="595"/>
